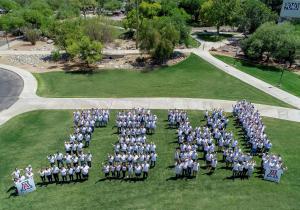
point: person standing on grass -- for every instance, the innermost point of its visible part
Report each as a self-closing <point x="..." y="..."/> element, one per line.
<point x="59" y="159"/>
<point x="55" y="172"/>
<point x="88" y="158"/>
<point x="235" y="170"/>
<point x="42" y="175"/>
<point x="130" y="171"/>
<point x="145" y="170"/>
<point x="48" y="174"/>
<point x="71" y="173"/>
<point x="63" y="172"/>
<point x="78" y="172"/>
<point x="138" y="170"/>
<point x="85" y="171"/>
<point x="124" y="169"/>
<point x="196" y="167"/>
<point x="51" y="160"/>
<point x="105" y="170"/>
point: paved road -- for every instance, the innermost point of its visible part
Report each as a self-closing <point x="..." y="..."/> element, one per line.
<point x="11" y="85"/>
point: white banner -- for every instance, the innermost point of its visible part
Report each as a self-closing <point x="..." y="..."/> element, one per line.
<point x="25" y="186"/>
<point x="290" y="9"/>
<point x="273" y="175"/>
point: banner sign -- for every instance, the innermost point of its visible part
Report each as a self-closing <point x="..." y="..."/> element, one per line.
<point x="290" y="9"/>
<point x="273" y="174"/>
<point x="25" y="186"/>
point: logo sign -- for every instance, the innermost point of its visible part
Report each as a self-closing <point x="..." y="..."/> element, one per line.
<point x="290" y="9"/>
<point x="25" y="186"/>
<point x="273" y="174"/>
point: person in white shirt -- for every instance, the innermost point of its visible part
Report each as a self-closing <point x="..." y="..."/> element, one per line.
<point x="235" y="170"/>
<point x="63" y="172"/>
<point x="28" y="169"/>
<point x="145" y="170"/>
<point x="85" y="171"/>
<point x="89" y="159"/>
<point x="138" y="170"/>
<point x="68" y="159"/>
<point x="153" y="159"/>
<point x="51" y="160"/>
<point x="55" y="172"/>
<point x="16" y="173"/>
<point x="178" y="169"/>
<point x="67" y="147"/>
<point x="48" y="174"/>
<point x="59" y="159"/>
<point x="71" y="173"/>
<point x="42" y="175"/>
<point x="214" y="163"/>
<point x="130" y="171"/>
<point x="78" y="172"/>
<point x="29" y="175"/>
<point x="106" y="170"/>
<point x="196" y="166"/>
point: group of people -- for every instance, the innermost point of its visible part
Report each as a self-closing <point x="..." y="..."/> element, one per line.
<point x="132" y="156"/>
<point x="19" y="175"/>
<point x="272" y="161"/>
<point x="242" y="164"/>
<point x="138" y="119"/>
<point x="186" y="155"/>
<point x="253" y="126"/>
<point x="75" y="164"/>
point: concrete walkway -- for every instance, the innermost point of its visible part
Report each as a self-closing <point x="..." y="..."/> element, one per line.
<point x="29" y="101"/>
<point x="259" y="84"/>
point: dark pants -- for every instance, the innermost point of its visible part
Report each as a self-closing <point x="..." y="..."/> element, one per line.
<point x="71" y="177"/>
<point x="145" y="174"/>
<point x="64" y="178"/>
<point x="49" y="178"/>
<point x="59" y="162"/>
<point x="43" y="178"/>
<point x="124" y="174"/>
<point x="56" y="178"/>
<point x="89" y="163"/>
<point x="87" y="143"/>
<point x="78" y="175"/>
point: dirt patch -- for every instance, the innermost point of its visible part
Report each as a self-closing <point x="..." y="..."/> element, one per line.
<point x="39" y="64"/>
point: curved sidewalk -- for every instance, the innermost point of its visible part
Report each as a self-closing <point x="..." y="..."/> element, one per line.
<point x="29" y="101"/>
<point x="257" y="83"/>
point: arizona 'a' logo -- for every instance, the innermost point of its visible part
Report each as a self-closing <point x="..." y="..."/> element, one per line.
<point x="26" y="185"/>
<point x="272" y="174"/>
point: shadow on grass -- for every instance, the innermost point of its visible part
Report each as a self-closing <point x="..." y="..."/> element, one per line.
<point x="133" y="179"/>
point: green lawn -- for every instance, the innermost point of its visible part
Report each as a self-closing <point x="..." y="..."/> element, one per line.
<point x="28" y="138"/>
<point x="192" y="78"/>
<point x="269" y="74"/>
<point x="212" y="36"/>
<point x="193" y="43"/>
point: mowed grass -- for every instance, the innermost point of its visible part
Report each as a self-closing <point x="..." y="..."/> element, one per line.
<point x="213" y="36"/>
<point x="290" y="81"/>
<point x="192" y="78"/>
<point x="28" y="138"/>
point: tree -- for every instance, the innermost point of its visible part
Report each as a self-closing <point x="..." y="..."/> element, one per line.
<point x="158" y="37"/>
<point x="219" y="12"/>
<point x="271" y="40"/>
<point x="149" y="10"/>
<point x="86" y="50"/>
<point x="192" y="7"/>
<point x="275" y="5"/>
<point x="9" y="5"/>
<point x="253" y="13"/>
